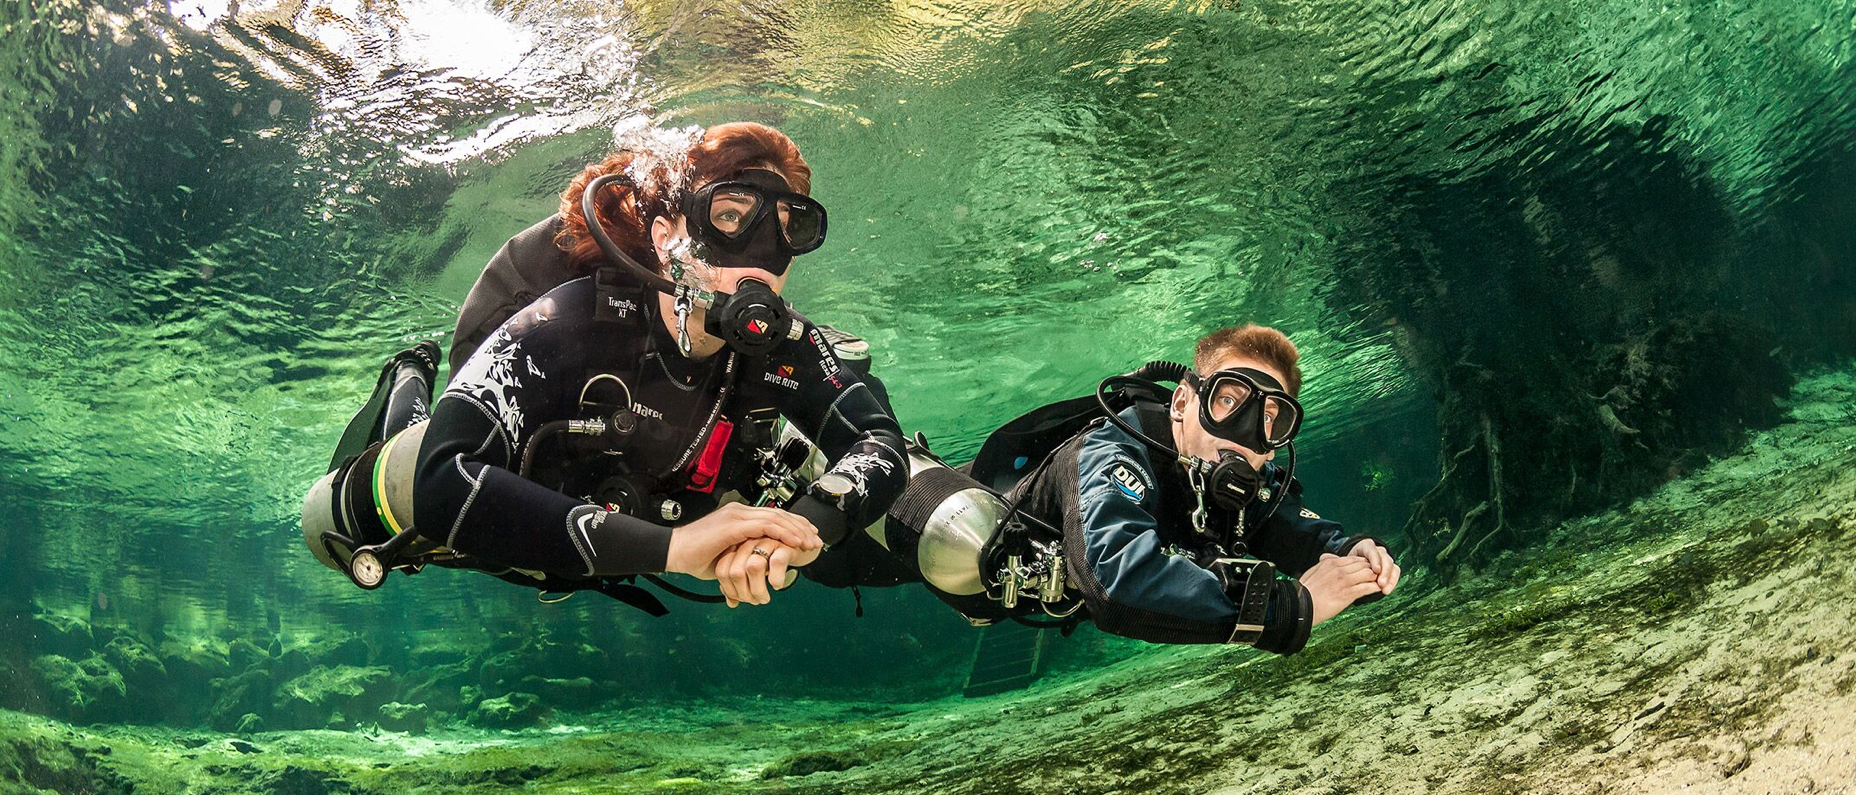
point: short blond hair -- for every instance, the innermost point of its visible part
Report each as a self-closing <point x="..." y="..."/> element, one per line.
<point x="1259" y="342"/>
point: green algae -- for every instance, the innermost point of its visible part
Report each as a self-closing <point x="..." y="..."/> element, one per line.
<point x="1499" y="681"/>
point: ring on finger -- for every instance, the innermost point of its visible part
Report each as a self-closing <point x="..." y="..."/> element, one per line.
<point x="761" y="552"/>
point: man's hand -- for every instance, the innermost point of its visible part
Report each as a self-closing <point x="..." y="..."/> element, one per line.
<point x="1385" y="572"/>
<point x="1334" y="582"/>
<point x="751" y="568"/>
<point x="697" y="547"/>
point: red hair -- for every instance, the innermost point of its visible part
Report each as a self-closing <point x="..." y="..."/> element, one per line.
<point x="627" y="207"/>
<point x="1262" y="343"/>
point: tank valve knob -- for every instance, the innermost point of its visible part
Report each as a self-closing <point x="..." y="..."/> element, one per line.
<point x="671" y="510"/>
<point x="793" y="454"/>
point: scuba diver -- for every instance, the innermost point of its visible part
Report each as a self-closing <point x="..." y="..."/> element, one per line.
<point x="617" y="375"/>
<point x="1159" y="516"/>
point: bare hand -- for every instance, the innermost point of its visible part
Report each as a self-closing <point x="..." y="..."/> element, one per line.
<point x="1385" y="571"/>
<point x="697" y="547"/>
<point x="751" y="568"/>
<point x="1334" y="582"/>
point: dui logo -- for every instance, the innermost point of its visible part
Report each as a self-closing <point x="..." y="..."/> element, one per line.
<point x="1130" y="484"/>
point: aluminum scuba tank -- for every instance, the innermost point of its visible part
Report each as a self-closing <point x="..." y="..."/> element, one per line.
<point x="380" y="478"/>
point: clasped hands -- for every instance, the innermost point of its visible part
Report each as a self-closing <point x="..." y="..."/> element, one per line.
<point x="1336" y="581"/>
<point x="750" y="552"/>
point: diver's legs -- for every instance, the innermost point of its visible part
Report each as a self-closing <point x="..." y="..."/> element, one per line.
<point x="410" y="401"/>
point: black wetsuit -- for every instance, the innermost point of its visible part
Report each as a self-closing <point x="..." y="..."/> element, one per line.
<point x="534" y="369"/>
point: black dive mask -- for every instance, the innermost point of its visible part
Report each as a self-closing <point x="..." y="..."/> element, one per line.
<point x="1231" y="482"/>
<point x="753" y="320"/>
<point x="754" y="220"/>
<point x="1247" y="406"/>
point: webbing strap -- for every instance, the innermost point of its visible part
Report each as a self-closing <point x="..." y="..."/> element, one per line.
<point x="926" y="491"/>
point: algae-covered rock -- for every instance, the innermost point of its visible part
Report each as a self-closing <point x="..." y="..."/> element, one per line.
<point x="431" y="656"/>
<point x="60" y="634"/>
<point x="544" y="658"/>
<point x="233" y="698"/>
<point x="571" y="693"/>
<point x="348" y="650"/>
<point x="314" y="699"/>
<point x="295" y="780"/>
<point x="242" y="654"/>
<point x="142" y="671"/>
<point x="36" y="758"/>
<point x="395" y="716"/>
<point x="82" y="692"/>
<point x="806" y="764"/>
<point x="445" y="688"/>
<point x="513" y="711"/>
<point x="192" y="666"/>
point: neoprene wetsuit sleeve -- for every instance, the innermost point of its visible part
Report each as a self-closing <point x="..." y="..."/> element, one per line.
<point x="468" y="496"/>
<point x="835" y="409"/>
<point x="1295" y="537"/>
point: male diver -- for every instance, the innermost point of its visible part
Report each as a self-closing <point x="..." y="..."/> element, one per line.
<point x="619" y="416"/>
<point x="1159" y="516"/>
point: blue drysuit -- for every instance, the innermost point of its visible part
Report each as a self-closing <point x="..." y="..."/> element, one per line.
<point x="1130" y="519"/>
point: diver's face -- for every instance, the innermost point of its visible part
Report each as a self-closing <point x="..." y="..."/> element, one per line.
<point x="671" y="236"/>
<point x="1189" y="434"/>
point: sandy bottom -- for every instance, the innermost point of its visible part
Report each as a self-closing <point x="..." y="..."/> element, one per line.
<point x="1698" y="640"/>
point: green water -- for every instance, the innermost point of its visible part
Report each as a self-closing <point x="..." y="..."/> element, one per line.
<point x="213" y="228"/>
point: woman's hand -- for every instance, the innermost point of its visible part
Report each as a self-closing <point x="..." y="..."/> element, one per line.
<point x="1385" y="571"/>
<point x="755" y="567"/>
<point x="696" y="548"/>
<point x="1334" y="582"/>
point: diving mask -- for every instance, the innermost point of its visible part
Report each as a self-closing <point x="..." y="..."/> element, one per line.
<point x="1246" y="406"/>
<point x="753" y="220"/>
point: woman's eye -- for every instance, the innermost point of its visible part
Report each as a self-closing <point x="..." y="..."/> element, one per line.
<point x="731" y="216"/>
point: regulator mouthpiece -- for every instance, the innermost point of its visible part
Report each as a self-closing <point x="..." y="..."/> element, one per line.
<point x="1233" y="483"/>
<point x="753" y="319"/>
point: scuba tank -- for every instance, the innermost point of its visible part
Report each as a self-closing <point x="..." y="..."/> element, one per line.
<point x="365" y="502"/>
<point x="946" y="519"/>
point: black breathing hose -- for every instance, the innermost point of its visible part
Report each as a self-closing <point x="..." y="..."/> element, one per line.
<point x="1160" y="370"/>
<point x="613" y="253"/>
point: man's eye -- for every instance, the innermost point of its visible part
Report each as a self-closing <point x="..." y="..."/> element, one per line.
<point x="731" y="216"/>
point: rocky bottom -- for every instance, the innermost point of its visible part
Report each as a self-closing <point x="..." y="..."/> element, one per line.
<point x="1698" y="639"/>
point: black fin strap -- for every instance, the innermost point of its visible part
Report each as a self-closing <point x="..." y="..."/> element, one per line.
<point x="708" y="599"/>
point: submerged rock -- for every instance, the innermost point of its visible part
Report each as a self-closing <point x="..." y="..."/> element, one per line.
<point x="814" y="762"/>
<point x="314" y="699"/>
<point x="60" y="634"/>
<point x="82" y="692"/>
<point x="513" y="711"/>
<point x="294" y="780"/>
<point x="398" y="717"/>
<point x="142" y="671"/>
